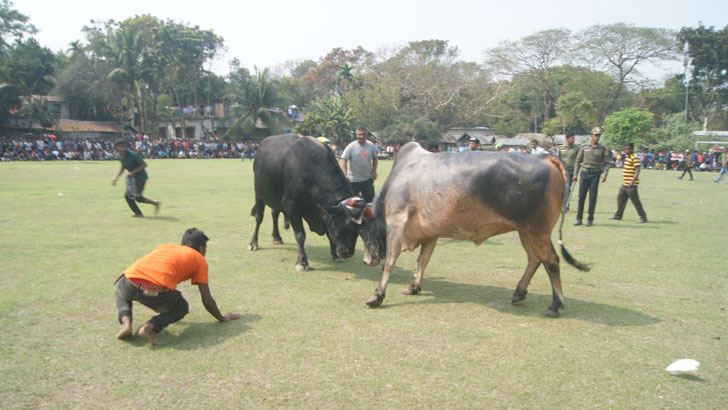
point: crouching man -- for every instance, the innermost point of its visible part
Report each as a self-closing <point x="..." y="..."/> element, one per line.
<point x="152" y="281"/>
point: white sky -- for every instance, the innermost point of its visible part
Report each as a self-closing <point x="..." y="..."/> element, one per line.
<point x="268" y="33"/>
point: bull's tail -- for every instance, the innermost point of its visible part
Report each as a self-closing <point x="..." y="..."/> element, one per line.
<point x="567" y="256"/>
<point x="555" y="161"/>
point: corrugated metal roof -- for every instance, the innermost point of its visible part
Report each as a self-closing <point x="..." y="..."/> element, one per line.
<point x="88" y="126"/>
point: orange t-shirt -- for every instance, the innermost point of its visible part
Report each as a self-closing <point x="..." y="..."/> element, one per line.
<point x="168" y="265"/>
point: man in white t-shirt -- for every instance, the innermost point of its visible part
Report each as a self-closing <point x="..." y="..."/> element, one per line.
<point x="359" y="163"/>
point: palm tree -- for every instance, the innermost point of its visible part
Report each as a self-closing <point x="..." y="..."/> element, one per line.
<point x="255" y="99"/>
<point x="123" y="46"/>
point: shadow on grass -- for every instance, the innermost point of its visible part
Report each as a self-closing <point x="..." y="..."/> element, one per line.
<point x="499" y="298"/>
<point x="198" y="335"/>
<point x="163" y="218"/>
<point x="691" y="377"/>
<point x="438" y="290"/>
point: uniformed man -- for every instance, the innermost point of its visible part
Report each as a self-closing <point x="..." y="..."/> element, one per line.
<point x="473" y="144"/>
<point x="567" y="153"/>
<point x="592" y="160"/>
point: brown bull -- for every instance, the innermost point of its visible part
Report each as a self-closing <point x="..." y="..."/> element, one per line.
<point x="471" y="196"/>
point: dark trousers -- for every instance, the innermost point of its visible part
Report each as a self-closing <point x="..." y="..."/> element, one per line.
<point x="569" y="187"/>
<point x="631" y="193"/>
<point x="589" y="182"/>
<point x="170" y="305"/>
<point x="131" y="200"/>
<point x="687" y="169"/>
<point x="365" y="188"/>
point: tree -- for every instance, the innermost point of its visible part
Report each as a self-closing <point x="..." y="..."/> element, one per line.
<point x="125" y="51"/>
<point x="255" y="97"/>
<point x="574" y="113"/>
<point x="323" y="80"/>
<point x="181" y="52"/>
<point x="29" y="67"/>
<point x="84" y="85"/>
<point x="707" y="50"/>
<point x="38" y="112"/>
<point x="332" y="119"/>
<point x="431" y="82"/>
<point x="630" y="125"/>
<point x="534" y="56"/>
<point x="13" y="25"/>
<point x="675" y="133"/>
<point x="620" y="48"/>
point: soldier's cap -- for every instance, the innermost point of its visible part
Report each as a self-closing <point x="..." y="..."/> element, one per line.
<point x="473" y="139"/>
<point x="597" y="131"/>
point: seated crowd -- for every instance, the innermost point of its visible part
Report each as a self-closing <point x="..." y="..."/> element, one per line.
<point x="49" y="149"/>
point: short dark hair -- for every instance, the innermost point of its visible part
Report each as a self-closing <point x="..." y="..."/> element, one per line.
<point x="571" y="134"/>
<point x="120" y="142"/>
<point x="362" y="128"/>
<point x="534" y="140"/>
<point x="629" y="144"/>
<point x="194" y="238"/>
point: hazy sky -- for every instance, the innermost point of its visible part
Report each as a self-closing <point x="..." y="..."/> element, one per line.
<point x="268" y="33"/>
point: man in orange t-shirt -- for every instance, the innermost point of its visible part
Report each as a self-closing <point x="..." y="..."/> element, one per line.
<point x="153" y="279"/>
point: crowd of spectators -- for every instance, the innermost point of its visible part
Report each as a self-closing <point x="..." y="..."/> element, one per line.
<point x="47" y="148"/>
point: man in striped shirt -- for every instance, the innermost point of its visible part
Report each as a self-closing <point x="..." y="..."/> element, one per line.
<point x="630" y="181"/>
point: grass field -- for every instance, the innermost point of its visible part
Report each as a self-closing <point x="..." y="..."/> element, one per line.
<point x="657" y="293"/>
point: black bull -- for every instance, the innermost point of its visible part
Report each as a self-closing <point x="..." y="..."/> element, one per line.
<point x="471" y="196"/>
<point x="300" y="177"/>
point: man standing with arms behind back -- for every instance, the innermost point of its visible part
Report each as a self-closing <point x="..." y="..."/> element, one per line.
<point x="359" y="163"/>
<point x="592" y="160"/>
<point x="567" y="153"/>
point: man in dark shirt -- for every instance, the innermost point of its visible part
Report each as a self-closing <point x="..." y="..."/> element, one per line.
<point x="137" y="178"/>
<point x="567" y="153"/>
<point x="592" y="160"/>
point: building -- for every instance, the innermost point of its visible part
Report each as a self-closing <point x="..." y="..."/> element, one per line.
<point x="460" y="136"/>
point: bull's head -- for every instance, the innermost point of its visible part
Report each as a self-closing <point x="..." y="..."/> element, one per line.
<point x="374" y="235"/>
<point x="343" y="222"/>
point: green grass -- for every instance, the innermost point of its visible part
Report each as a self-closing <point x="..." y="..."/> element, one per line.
<point x="656" y="293"/>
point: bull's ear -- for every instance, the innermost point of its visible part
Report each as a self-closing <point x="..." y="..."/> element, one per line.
<point x="367" y="213"/>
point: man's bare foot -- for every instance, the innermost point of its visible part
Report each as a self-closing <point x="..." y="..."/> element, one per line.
<point x="125" y="331"/>
<point x="148" y="334"/>
<point x="156" y="207"/>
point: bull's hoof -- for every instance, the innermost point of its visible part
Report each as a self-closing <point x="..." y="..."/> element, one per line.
<point x="412" y="290"/>
<point x="253" y="246"/>
<point x="375" y="301"/>
<point x="338" y="259"/>
<point x="278" y="241"/>
<point x="302" y="268"/>
<point x="551" y="313"/>
<point x="518" y="296"/>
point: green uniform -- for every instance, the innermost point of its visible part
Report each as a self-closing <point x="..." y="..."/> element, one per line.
<point x="132" y="161"/>
<point x="592" y="159"/>
<point x="568" y="155"/>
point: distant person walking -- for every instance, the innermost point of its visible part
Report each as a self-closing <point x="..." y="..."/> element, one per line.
<point x="724" y="166"/>
<point x="567" y="153"/>
<point x="137" y="178"/>
<point x="630" y="181"/>
<point x="592" y="160"/>
<point x="359" y="163"/>
<point x="153" y="279"/>
<point x="688" y="164"/>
